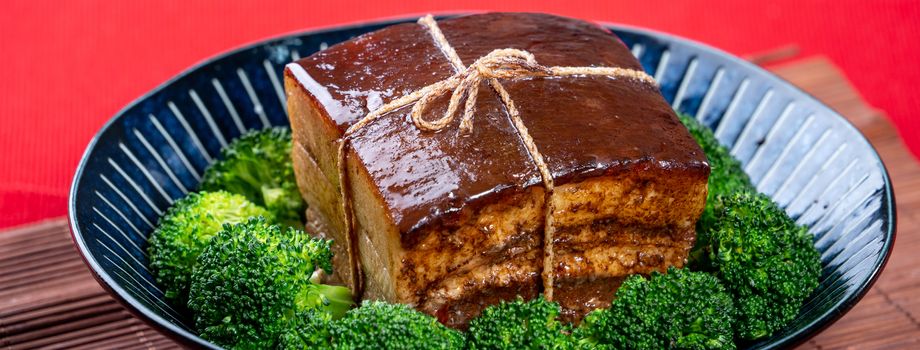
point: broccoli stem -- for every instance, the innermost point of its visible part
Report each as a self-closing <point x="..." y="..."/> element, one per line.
<point x="336" y="300"/>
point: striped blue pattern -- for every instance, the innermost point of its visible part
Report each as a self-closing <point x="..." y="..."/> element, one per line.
<point x="807" y="157"/>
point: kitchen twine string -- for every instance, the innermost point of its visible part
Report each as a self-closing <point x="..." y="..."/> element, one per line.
<point x="500" y="63"/>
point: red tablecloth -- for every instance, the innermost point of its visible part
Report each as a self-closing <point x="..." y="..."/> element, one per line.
<point x="67" y="67"/>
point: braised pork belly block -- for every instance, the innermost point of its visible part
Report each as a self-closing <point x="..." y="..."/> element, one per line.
<point x="451" y="222"/>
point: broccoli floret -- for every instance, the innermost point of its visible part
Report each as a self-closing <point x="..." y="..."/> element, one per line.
<point x="520" y="324"/>
<point x="374" y="325"/>
<point x="726" y="176"/>
<point x="310" y="329"/>
<point x="379" y="325"/>
<point x="252" y="279"/>
<point x="258" y="165"/>
<point x="184" y="232"/>
<point x="680" y="310"/>
<point x="765" y="260"/>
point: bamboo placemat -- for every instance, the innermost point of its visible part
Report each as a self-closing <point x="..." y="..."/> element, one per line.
<point x="48" y="299"/>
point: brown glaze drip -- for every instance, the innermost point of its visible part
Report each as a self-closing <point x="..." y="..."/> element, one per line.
<point x="578" y="297"/>
<point x="582" y="126"/>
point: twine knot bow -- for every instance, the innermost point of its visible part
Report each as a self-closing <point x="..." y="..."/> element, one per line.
<point x="500" y="63"/>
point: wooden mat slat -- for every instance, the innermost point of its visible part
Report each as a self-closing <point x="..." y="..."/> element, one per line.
<point x="29" y="248"/>
<point x="132" y="332"/>
<point x="89" y="330"/>
<point x="48" y="292"/>
<point x="39" y="257"/>
<point x="69" y="310"/>
<point x="28" y="277"/>
<point x="30" y="313"/>
<point x="33" y="321"/>
<point x="38" y="260"/>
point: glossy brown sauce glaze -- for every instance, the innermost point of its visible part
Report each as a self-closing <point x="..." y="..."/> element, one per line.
<point x="352" y="78"/>
<point x="582" y="126"/>
<point x="430" y="176"/>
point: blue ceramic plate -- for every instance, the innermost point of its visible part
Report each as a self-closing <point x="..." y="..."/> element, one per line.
<point x="807" y="157"/>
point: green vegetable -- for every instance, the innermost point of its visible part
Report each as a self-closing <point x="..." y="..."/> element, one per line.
<point x="520" y="324"/>
<point x="726" y="177"/>
<point x="378" y="325"/>
<point x="310" y="329"/>
<point x="184" y="232"/>
<point x="258" y="166"/>
<point x="681" y="310"/>
<point x="252" y="279"/>
<point x="374" y="325"/>
<point x="765" y="260"/>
